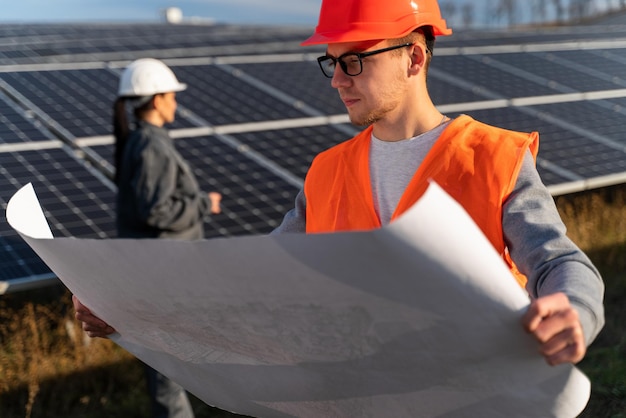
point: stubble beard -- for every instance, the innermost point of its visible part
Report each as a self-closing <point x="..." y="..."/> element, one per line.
<point x="370" y="117"/>
<point x="387" y="102"/>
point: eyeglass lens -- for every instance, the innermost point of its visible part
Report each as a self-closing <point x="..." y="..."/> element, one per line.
<point x="350" y="64"/>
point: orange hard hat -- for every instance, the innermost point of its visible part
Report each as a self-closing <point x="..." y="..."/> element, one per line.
<point x="364" y="20"/>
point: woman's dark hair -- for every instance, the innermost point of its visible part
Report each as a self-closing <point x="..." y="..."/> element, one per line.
<point x="121" y="129"/>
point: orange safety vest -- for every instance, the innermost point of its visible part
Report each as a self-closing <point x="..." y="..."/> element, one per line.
<point x="475" y="163"/>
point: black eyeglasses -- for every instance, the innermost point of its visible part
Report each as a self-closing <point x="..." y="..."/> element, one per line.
<point x="351" y="62"/>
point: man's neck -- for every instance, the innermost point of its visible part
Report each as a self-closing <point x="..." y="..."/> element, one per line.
<point x="398" y="130"/>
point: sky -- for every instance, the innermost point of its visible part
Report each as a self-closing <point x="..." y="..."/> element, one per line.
<point x="281" y="12"/>
<point x="290" y="12"/>
<point x="297" y="12"/>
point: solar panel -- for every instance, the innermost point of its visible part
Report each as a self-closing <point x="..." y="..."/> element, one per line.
<point x="255" y="198"/>
<point x="222" y="96"/>
<point x="17" y="126"/>
<point x="294" y="149"/>
<point x="299" y="79"/>
<point x="78" y="100"/>
<point x="92" y="42"/>
<point x="76" y="201"/>
<point x="258" y="110"/>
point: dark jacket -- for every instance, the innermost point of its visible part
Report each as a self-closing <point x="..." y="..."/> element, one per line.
<point x="158" y="195"/>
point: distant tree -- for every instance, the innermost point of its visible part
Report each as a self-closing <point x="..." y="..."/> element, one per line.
<point x="507" y="9"/>
<point x="490" y="12"/>
<point x="579" y="9"/>
<point x="467" y="14"/>
<point x="593" y="6"/>
<point x="609" y="5"/>
<point x="539" y="10"/>
<point x="559" y="10"/>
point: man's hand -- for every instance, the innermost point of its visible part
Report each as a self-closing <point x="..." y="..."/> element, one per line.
<point x="92" y="325"/>
<point x="555" y="324"/>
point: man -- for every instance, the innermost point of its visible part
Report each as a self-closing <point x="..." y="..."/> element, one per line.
<point x="378" y="53"/>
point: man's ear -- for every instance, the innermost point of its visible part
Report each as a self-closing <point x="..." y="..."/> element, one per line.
<point x="417" y="53"/>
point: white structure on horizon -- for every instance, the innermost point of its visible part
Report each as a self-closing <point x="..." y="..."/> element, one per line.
<point x="173" y="15"/>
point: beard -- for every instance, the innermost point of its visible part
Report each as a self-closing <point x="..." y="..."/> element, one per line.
<point x="375" y="107"/>
<point x="372" y="116"/>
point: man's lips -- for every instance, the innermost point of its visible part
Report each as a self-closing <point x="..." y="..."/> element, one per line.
<point x="348" y="101"/>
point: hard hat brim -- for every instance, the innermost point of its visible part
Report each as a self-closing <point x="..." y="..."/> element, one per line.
<point x="181" y="87"/>
<point x="133" y="93"/>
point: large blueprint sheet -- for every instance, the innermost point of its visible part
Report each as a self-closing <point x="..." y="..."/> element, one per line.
<point x="418" y="319"/>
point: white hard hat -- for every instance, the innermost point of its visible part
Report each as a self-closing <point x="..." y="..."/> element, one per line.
<point x="147" y="77"/>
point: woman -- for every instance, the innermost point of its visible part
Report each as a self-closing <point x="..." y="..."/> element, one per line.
<point x="158" y="195"/>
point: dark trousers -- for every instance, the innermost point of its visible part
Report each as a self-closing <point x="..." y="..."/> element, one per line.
<point x="168" y="399"/>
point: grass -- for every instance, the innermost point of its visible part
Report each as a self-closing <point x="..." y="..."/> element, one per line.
<point x="597" y="222"/>
<point x="47" y="368"/>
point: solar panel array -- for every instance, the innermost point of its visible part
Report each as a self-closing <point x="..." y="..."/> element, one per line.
<point x="258" y="110"/>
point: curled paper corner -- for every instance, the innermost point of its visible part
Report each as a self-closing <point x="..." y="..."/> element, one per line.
<point x="25" y="215"/>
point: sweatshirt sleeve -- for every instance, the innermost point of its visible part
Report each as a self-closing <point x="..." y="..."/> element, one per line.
<point x="168" y="196"/>
<point x="537" y="242"/>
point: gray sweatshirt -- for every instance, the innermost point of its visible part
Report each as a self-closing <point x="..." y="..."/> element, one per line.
<point x="158" y="195"/>
<point x="533" y="230"/>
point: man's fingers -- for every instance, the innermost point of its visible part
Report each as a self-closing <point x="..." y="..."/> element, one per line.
<point x="564" y="352"/>
<point x="99" y="329"/>
<point x="567" y="346"/>
<point x="544" y="307"/>
<point x="91" y="324"/>
<point x="561" y="341"/>
<point x="557" y="323"/>
<point x="554" y="322"/>
<point x="78" y="306"/>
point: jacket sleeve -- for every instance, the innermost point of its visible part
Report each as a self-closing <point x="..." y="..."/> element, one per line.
<point x="537" y="242"/>
<point x="168" y="196"/>
<point x="295" y="219"/>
